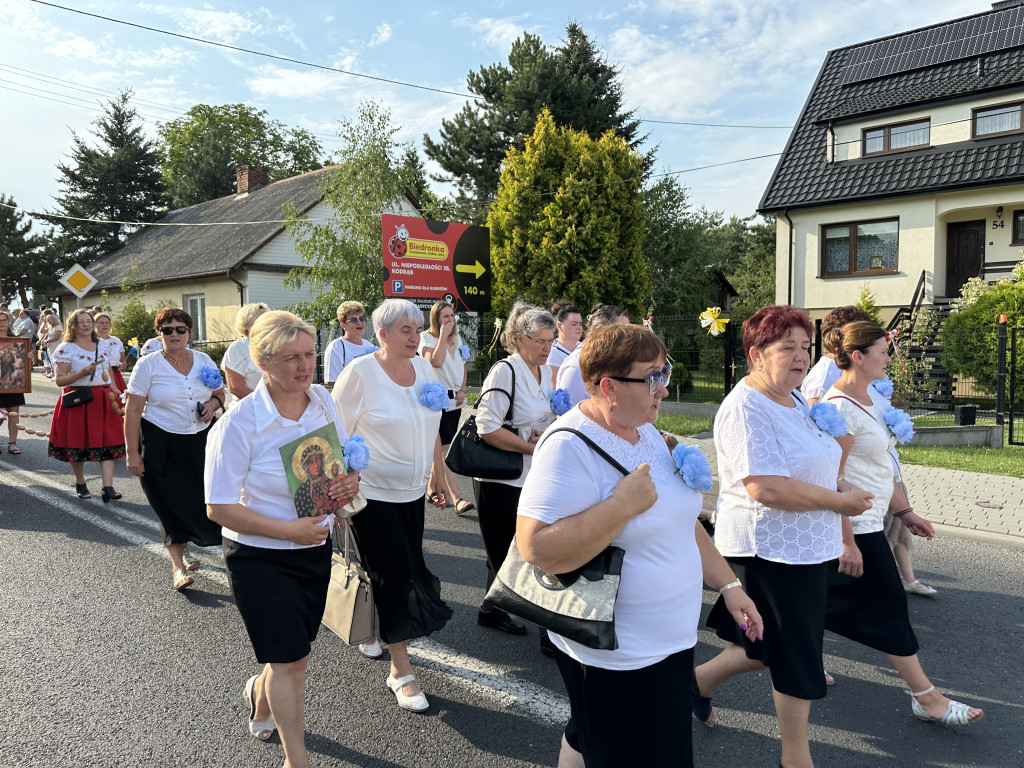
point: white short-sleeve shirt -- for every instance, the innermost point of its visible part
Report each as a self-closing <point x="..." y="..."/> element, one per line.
<point x="659" y="599"/>
<point x="170" y="396"/>
<point x="243" y="460"/>
<point x="558" y="353"/>
<point x="532" y="407"/>
<point x="399" y="430"/>
<point x="570" y="379"/>
<point x="868" y="464"/>
<point x="151" y="346"/>
<point x="756" y="436"/>
<point x="453" y="371"/>
<point x="340" y="353"/>
<point x="69" y="352"/>
<point x="239" y="359"/>
<point x="820" y="378"/>
<point x="116" y="347"/>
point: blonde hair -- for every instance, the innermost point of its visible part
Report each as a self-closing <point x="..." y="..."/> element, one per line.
<point x="273" y="330"/>
<point x="347" y="308"/>
<point x="435" y="319"/>
<point x="246" y="316"/>
<point x="71" y="326"/>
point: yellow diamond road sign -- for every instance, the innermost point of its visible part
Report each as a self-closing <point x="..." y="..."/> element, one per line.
<point x="78" y="281"/>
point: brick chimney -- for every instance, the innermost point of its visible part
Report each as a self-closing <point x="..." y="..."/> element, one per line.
<point x="251" y="177"/>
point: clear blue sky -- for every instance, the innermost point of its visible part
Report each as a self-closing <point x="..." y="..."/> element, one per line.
<point x="744" y="62"/>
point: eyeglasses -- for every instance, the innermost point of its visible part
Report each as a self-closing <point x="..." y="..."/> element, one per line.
<point x="167" y="330"/>
<point x="360" y="319"/>
<point x="540" y="342"/>
<point x="654" y="380"/>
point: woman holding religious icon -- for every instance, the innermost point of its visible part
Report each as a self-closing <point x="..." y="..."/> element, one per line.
<point x="278" y="557"/>
<point x="172" y="397"/>
<point x="10" y="403"/>
<point x="91" y="431"/>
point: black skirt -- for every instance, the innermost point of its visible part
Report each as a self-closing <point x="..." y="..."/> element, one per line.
<point x="449" y="425"/>
<point x="871" y="609"/>
<point x="407" y="595"/>
<point x="8" y="400"/>
<point x="791" y="601"/>
<point x="281" y="594"/>
<point x="173" y="484"/>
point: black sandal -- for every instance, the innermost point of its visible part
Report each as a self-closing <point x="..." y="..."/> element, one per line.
<point x="462" y="506"/>
<point x="701" y="705"/>
<point x="83" y="491"/>
<point x="109" y="493"/>
<point x="13" y="448"/>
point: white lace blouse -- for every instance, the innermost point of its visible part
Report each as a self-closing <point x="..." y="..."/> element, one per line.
<point x="756" y="436"/>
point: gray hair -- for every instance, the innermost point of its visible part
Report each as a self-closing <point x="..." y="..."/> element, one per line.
<point x="522" y="319"/>
<point x="604" y="314"/>
<point x="394" y="311"/>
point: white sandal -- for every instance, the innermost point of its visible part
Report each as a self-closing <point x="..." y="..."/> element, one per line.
<point x="264" y="729"/>
<point x="916" y="587"/>
<point x="415" y="703"/>
<point x="955" y="714"/>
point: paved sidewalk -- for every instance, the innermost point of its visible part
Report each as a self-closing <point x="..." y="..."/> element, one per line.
<point x="968" y="504"/>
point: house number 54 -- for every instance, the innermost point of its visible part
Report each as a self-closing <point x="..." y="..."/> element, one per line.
<point x="998" y="224"/>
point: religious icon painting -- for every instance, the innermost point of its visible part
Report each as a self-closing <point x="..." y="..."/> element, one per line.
<point x="311" y="463"/>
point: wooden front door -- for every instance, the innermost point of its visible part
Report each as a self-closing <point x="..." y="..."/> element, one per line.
<point x="965" y="254"/>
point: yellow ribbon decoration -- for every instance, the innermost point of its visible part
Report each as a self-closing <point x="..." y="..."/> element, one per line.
<point x="709" y="319"/>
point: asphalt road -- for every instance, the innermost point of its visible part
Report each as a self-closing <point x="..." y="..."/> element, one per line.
<point x="104" y="664"/>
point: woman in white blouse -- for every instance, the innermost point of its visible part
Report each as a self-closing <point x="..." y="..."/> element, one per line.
<point x="866" y="601"/>
<point x="379" y="397"/>
<point x="569" y="326"/>
<point x="278" y="560"/>
<point x="103" y="325"/>
<point x="628" y="705"/>
<point x="778" y="524"/>
<point x="92" y="431"/>
<point x="527" y="336"/>
<point x="172" y="397"/>
<point x="350" y="345"/>
<point x="569" y="377"/>
<point x="241" y="373"/>
<point x="441" y="345"/>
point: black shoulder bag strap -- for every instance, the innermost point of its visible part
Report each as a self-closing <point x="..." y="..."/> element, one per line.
<point x="511" y="397"/>
<point x="597" y="449"/>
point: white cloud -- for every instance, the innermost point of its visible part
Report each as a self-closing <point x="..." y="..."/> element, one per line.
<point x="382" y="35"/>
<point x="220" y="26"/>
<point x="498" y="34"/>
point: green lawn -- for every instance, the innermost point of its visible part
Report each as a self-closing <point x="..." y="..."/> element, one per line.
<point x="1008" y="460"/>
<point x="684" y="426"/>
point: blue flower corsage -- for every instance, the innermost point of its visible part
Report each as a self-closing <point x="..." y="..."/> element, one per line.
<point x="899" y="424"/>
<point x="561" y="402"/>
<point x="693" y="465"/>
<point x="210" y="376"/>
<point x="829" y="419"/>
<point x="464" y="351"/>
<point x="357" y="453"/>
<point x="883" y="387"/>
<point x="434" y="396"/>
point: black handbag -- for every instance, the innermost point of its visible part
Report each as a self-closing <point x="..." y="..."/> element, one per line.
<point x="471" y="456"/>
<point x="79" y="395"/>
<point x="579" y="605"/>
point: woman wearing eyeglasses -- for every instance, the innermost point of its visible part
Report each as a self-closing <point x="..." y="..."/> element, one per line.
<point x="350" y="345"/>
<point x="170" y="406"/>
<point x="90" y="431"/>
<point x="528" y="335"/>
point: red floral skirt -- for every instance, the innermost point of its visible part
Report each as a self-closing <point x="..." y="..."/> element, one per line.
<point x="90" y="432"/>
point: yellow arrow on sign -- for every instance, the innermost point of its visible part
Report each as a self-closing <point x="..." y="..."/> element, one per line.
<point x="477" y="269"/>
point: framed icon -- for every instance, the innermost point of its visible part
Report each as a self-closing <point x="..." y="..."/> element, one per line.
<point x="15" y="365"/>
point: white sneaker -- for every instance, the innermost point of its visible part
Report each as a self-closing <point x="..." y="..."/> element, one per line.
<point x="915" y="587"/>
<point x="416" y="703"/>
<point x="371" y="650"/>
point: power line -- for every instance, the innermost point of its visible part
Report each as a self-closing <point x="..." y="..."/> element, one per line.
<point x="391" y="81"/>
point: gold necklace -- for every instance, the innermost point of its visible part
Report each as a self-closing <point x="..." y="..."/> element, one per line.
<point x="173" y="361"/>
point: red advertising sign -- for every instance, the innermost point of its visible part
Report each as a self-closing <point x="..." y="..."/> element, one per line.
<point x="432" y="260"/>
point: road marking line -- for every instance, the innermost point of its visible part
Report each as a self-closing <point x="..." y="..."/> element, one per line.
<point x="493" y="682"/>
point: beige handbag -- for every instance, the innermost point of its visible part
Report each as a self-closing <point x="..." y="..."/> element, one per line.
<point x="349" y="609"/>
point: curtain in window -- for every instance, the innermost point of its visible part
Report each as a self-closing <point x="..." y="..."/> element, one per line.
<point x="910" y="135"/>
<point x="878" y="245"/>
<point x="997" y="120"/>
<point x="837" y="249"/>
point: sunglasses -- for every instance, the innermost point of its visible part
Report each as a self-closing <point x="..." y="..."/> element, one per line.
<point x="360" y="319"/>
<point x="654" y="380"/>
<point x="167" y="330"/>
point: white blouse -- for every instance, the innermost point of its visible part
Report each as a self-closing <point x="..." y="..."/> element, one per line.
<point x="340" y="353"/>
<point x="571" y="379"/>
<point x="453" y="371"/>
<point x="116" y="347"/>
<point x="868" y="464"/>
<point x="532" y="407"/>
<point x="239" y="359"/>
<point x="756" y="436"/>
<point x="558" y="354"/>
<point x="79" y="358"/>
<point x="153" y="345"/>
<point x="659" y="599"/>
<point x="170" y="396"/>
<point x="399" y="430"/>
<point x="820" y="378"/>
<point x="243" y="460"/>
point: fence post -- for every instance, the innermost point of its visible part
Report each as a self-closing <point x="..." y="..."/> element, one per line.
<point x="729" y="344"/>
<point x="1001" y="371"/>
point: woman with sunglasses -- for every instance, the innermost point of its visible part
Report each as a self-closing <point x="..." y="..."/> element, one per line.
<point x="172" y="397"/>
<point x="90" y="431"/>
<point x="350" y="345"/>
<point x="527" y="336"/>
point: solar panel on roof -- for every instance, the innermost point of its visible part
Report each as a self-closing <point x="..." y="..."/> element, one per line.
<point x="927" y="47"/>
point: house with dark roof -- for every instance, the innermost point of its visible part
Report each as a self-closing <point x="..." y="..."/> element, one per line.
<point x="213" y="257"/>
<point x="905" y="165"/>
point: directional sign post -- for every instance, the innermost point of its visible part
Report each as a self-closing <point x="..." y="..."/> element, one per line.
<point x="425" y="261"/>
<point x="78" y="281"/>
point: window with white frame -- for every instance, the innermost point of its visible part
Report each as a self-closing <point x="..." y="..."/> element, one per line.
<point x="869" y="247"/>
<point x="195" y="305"/>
